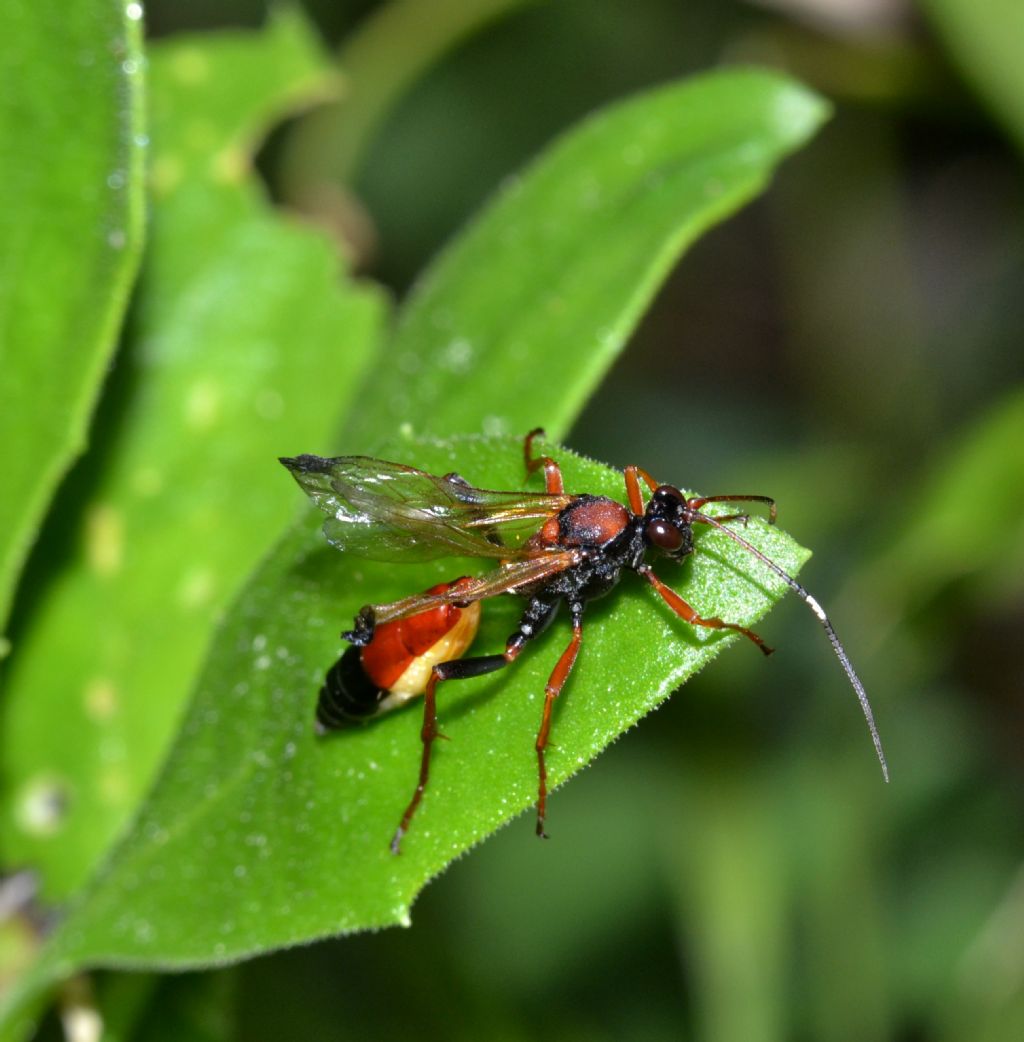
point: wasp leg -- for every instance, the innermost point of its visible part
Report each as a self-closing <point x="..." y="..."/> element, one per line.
<point x="697" y="502"/>
<point x="552" y="471"/>
<point x="684" y="611"/>
<point x="552" y="690"/>
<point x="534" y="621"/>
<point x="745" y="518"/>
<point x="636" y="502"/>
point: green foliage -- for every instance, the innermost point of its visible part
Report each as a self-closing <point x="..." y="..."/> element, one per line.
<point x="244" y="345"/>
<point x="71" y="228"/>
<point x="982" y="467"/>
<point x="227" y="350"/>
<point x="289" y="833"/>
<point x="985" y="38"/>
<point x="732" y="869"/>
<point x="530" y="305"/>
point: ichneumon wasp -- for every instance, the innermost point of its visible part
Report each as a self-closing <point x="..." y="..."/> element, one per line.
<point x="551" y="547"/>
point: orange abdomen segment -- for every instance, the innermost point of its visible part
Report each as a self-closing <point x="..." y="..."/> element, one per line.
<point x="416" y="644"/>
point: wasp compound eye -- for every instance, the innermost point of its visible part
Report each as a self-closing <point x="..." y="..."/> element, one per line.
<point x="669" y="494"/>
<point x="663" y="535"/>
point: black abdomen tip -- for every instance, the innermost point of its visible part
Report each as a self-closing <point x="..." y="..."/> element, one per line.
<point x="348" y="696"/>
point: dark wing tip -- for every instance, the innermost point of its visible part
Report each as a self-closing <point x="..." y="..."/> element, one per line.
<point x="307" y="464"/>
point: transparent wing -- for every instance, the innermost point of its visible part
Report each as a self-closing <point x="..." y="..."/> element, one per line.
<point x="388" y="511"/>
<point x="511" y="577"/>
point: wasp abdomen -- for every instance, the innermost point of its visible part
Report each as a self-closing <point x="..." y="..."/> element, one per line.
<point x="396" y="664"/>
<point x="348" y="696"/>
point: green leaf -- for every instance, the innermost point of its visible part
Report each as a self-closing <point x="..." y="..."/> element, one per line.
<point x="985" y="39"/>
<point x="259" y="834"/>
<point x="241" y="323"/>
<point x="519" y="320"/>
<point x="71" y="228"/>
<point x="982" y="465"/>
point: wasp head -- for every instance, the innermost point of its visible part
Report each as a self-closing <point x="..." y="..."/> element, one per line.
<point x="667" y="523"/>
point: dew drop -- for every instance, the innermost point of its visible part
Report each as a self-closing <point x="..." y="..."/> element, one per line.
<point x="42" y="805"/>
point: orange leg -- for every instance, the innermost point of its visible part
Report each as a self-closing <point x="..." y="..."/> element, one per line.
<point x="458" y="669"/>
<point x="427" y="735"/>
<point x="636" y="502"/>
<point x="533" y="622"/>
<point x="552" y="471"/>
<point x="684" y="611"/>
<point x="551" y="691"/>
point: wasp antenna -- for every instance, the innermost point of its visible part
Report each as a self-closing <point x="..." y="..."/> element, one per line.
<point x="819" y="611"/>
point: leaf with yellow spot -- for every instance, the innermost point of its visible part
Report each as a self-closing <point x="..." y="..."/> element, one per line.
<point x="240" y="314"/>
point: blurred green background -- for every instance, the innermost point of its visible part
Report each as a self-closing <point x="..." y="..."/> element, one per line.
<point x="734" y="869"/>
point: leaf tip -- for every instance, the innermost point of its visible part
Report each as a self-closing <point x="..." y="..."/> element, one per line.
<point x="799" y="111"/>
